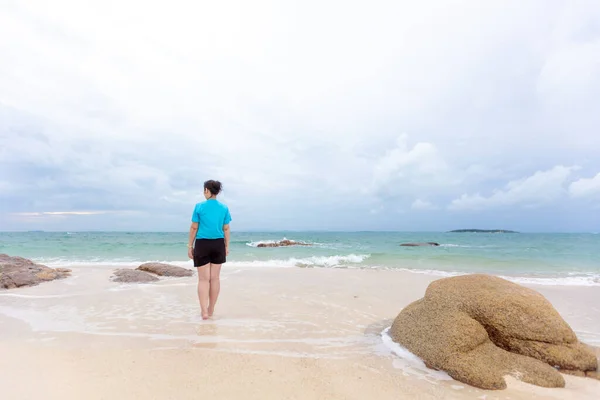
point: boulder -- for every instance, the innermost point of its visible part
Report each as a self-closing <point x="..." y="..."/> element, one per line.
<point x="17" y="272"/>
<point x="283" y="243"/>
<point x="593" y="374"/>
<point x="479" y="328"/>
<point x="420" y="244"/>
<point x="132" y="276"/>
<point x="164" y="269"/>
<point x="580" y="374"/>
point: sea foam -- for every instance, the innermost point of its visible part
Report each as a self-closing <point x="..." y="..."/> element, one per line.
<point x="314" y="261"/>
<point x="341" y="261"/>
<point x="267" y="242"/>
<point x="580" y="279"/>
<point x="410" y="363"/>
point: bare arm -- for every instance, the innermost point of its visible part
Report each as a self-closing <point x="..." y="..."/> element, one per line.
<point x="193" y="231"/>
<point x="227" y="232"/>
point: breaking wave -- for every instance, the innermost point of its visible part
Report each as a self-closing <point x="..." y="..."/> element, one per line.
<point x="341" y="261"/>
<point x="315" y="261"/>
<point x="337" y="261"/>
<point x="257" y="243"/>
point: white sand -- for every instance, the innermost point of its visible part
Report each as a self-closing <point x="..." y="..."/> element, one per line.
<point x="279" y="333"/>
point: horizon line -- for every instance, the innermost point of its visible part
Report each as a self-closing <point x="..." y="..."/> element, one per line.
<point x="293" y="231"/>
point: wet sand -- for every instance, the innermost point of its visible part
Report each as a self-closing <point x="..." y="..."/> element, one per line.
<point x="278" y="333"/>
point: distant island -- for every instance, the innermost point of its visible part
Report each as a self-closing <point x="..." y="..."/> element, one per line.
<point x="482" y="231"/>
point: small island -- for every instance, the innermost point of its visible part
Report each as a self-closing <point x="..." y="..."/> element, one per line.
<point x="482" y="231"/>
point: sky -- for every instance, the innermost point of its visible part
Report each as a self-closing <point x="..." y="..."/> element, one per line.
<point x="315" y="115"/>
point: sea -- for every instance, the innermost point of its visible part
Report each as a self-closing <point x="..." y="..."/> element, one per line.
<point x="536" y="258"/>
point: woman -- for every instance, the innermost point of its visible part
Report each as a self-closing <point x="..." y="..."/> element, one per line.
<point x="210" y="230"/>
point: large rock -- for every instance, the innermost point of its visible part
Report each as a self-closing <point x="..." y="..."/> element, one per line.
<point x="479" y="328"/>
<point x="17" y="272"/>
<point x="132" y="276"/>
<point x="164" y="269"/>
<point x="283" y="243"/>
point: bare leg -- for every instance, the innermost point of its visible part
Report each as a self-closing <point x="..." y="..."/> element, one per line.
<point x="215" y="287"/>
<point x="204" y="288"/>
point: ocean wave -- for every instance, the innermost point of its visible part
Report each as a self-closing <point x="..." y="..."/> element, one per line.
<point x="434" y="272"/>
<point x="410" y="363"/>
<point x="315" y="261"/>
<point x="114" y="263"/>
<point x="581" y="279"/>
<point x="267" y="242"/>
<point x="464" y="246"/>
<point x="338" y="261"/>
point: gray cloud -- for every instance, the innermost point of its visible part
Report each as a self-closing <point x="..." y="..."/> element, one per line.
<point x="376" y="117"/>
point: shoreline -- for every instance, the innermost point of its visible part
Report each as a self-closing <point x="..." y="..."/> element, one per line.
<point x="561" y="278"/>
<point x="309" y="326"/>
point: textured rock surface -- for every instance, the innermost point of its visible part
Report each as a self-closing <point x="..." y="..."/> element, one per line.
<point x="164" y="269"/>
<point x="420" y="244"/>
<point x="283" y="243"/>
<point x="593" y="374"/>
<point x="479" y="328"/>
<point x="132" y="276"/>
<point x="17" y="271"/>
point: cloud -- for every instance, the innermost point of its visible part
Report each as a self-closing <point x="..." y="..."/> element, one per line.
<point x="539" y="188"/>
<point x="405" y="170"/>
<point x="423" y="205"/>
<point x="60" y="213"/>
<point x="585" y="187"/>
<point x="402" y="101"/>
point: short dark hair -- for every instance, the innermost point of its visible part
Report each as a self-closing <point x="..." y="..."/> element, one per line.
<point x="214" y="187"/>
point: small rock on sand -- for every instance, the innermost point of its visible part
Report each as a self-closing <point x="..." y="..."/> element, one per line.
<point x="164" y="269"/>
<point x="17" y="272"/>
<point x="132" y="276"/>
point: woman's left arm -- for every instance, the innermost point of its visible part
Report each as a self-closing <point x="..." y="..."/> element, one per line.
<point x="226" y="231"/>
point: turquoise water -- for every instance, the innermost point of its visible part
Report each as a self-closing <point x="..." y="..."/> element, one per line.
<point x="565" y="258"/>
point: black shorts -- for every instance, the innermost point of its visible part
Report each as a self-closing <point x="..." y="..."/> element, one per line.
<point x="209" y="251"/>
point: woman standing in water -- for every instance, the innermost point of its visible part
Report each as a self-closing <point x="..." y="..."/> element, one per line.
<point x="208" y="245"/>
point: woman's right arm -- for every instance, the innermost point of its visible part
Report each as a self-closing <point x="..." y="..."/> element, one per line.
<point x="192" y="236"/>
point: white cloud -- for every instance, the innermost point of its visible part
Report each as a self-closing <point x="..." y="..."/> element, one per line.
<point x="585" y="187"/>
<point x="423" y="205"/>
<point x="403" y="170"/>
<point x="568" y="84"/>
<point x="106" y="110"/>
<point x="539" y="188"/>
<point x="36" y="214"/>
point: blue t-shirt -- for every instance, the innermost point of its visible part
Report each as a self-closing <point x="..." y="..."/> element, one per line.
<point x="211" y="215"/>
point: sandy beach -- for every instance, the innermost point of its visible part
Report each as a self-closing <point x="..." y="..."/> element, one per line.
<point x="334" y="158"/>
<point x="279" y="333"/>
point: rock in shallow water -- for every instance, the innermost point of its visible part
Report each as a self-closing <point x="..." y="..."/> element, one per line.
<point x="479" y="328"/>
<point x="420" y="244"/>
<point x="283" y="243"/>
<point x="17" y="272"/>
<point x="164" y="269"/>
<point x="132" y="276"/>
